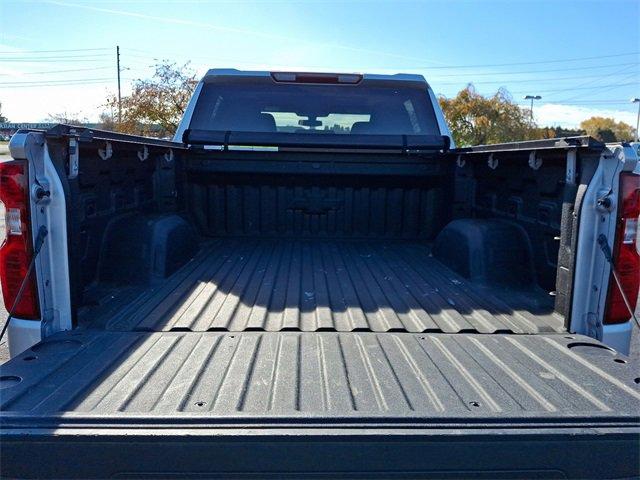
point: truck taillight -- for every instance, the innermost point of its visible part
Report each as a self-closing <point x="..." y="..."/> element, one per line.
<point x="16" y="249"/>
<point x="626" y="258"/>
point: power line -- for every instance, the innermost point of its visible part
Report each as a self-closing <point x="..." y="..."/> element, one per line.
<point x="539" y="62"/>
<point x="90" y="57"/>
<point x="54" y="83"/>
<point x="593" y="67"/>
<point x="597" y="81"/>
<point x="589" y="103"/>
<point x="59" y="71"/>
<point x="153" y="55"/>
<point x="529" y="80"/>
<point x="433" y="79"/>
<point x="626" y="99"/>
<point x="97" y="57"/>
<point x="54" y="57"/>
<point x="581" y="88"/>
<point x="58" y="61"/>
<point x="70" y="84"/>
<point x="584" y="102"/>
<point x="26" y="52"/>
<point x="11" y="87"/>
<point x="600" y="92"/>
<point x="534" y="63"/>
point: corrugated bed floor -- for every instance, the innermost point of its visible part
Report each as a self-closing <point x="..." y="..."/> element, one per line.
<point x="322" y="285"/>
<point x="321" y="375"/>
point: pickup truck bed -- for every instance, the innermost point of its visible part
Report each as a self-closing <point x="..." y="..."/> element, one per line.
<point x="294" y="327"/>
<point x="246" y="284"/>
<point x="305" y="314"/>
<point x="339" y="328"/>
<point x="177" y="368"/>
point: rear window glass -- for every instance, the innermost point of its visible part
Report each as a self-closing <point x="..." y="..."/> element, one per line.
<point x="314" y="109"/>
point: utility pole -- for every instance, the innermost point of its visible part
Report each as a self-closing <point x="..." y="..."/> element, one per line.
<point x="119" y="93"/>
<point x="637" y="100"/>
<point x="532" y="98"/>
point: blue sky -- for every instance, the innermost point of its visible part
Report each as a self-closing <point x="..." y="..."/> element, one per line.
<point x="580" y="56"/>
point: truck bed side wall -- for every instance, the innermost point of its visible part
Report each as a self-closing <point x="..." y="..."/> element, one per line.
<point x="105" y="190"/>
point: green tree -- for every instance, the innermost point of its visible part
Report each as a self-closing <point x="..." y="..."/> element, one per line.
<point x="475" y="119"/>
<point x="156" y="102"/>
<point x="607" y="129"/>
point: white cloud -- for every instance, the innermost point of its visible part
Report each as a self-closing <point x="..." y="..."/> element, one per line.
<point x="570" y="116"/>
<point x="37" y="103"/>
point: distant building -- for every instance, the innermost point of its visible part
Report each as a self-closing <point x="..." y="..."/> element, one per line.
<point x="9" y="128"/>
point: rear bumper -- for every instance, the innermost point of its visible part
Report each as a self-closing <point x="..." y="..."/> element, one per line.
<point x="322" y="452"/>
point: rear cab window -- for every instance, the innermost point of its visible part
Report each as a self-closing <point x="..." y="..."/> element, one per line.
<point x="264" y="105"/>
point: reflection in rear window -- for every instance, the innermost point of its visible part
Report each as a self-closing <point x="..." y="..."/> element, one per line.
<point x="314" y="109"/>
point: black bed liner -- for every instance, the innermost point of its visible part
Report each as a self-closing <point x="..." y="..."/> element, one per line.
<point x="321" y="375"/>
<point x="325" y="404"/>
<point x="245" y="284"/>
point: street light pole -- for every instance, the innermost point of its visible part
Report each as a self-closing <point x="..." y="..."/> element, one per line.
<point x="531" y="109"/>
<point x="637" y="100"/>
<point x="532" y="98"/>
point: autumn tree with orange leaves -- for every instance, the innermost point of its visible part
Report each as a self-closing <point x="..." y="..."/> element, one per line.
<point x="607" y="129"/>
<point x="156" y="105"/>
<point x="476" y="120"/>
